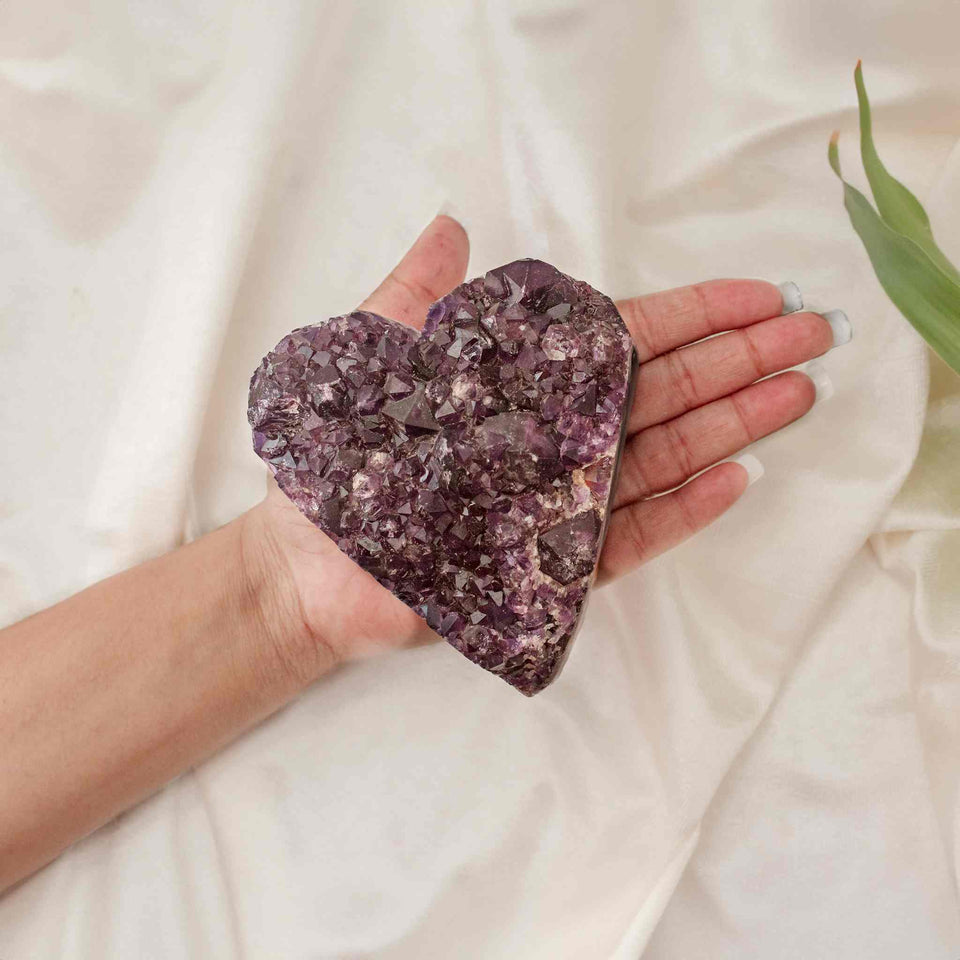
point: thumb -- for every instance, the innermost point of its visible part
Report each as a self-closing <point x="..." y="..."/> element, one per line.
<point x="430" y="269"/>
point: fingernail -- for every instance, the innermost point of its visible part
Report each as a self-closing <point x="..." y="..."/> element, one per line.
<point x="840" y="325"/>
<point x="792" y="298"/>
<point x="821" y="380"/>
<point x="450" y="209"/>
<point x="752" y="465"/>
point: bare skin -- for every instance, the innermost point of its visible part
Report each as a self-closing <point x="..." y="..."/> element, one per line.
<point x="110" y="694"/>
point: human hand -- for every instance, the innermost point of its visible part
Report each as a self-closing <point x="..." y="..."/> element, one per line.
<point x="696" y="402"/>
<point x="193" y="647"/>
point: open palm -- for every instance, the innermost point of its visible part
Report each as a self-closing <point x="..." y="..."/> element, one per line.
<point x="697" y="401"/>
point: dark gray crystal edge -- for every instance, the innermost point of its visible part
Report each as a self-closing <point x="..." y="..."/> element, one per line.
<point x="631" y="390"/>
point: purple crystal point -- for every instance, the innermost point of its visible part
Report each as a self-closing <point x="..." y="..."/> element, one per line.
<point x="470" y="468"/>
<point x="568" y="551"/>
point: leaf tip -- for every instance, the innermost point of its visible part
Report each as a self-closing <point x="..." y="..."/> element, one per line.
<point x="833" y="153"/>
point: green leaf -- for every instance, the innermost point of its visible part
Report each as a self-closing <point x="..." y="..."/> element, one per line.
<point x="897" y="205"/>
<point x="921" y="290"/>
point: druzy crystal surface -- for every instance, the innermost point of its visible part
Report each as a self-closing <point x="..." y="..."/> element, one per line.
<point x="469" y="468"/>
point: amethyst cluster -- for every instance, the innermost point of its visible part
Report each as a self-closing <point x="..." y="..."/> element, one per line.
<point x="469" y="468"/>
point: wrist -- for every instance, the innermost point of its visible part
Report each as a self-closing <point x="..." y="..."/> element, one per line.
<point x="282" y="626"/>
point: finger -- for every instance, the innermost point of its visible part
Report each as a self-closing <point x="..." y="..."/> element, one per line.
<point x="662" y="321"/>
<point x="664" y="456"/>
<point x="692" y="376"/>
<point x="430" y="269"/>
<point x="643" y="530"/>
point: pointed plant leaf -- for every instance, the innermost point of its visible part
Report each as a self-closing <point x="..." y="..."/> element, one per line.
<point x="898" y="207"/>
<point x="920" y="289"/>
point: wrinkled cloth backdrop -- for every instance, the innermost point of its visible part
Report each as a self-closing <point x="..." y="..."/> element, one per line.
<point x="753" y="751"/>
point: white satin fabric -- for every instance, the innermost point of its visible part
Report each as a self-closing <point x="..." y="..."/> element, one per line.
<point x="753" y="751"/>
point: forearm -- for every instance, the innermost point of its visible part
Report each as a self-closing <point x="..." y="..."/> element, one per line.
<point x="112" y="693"/>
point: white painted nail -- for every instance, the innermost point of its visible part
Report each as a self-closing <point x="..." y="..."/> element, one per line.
<point x="752" y="465"/>
<point x="450" y="209"/>
<point x="792" y="298"/>
<point x="840" y="325"/>
<point x="821" y="380"/>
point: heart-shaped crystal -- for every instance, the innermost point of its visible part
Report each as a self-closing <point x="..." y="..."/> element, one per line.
<point x="469" y="468"/>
